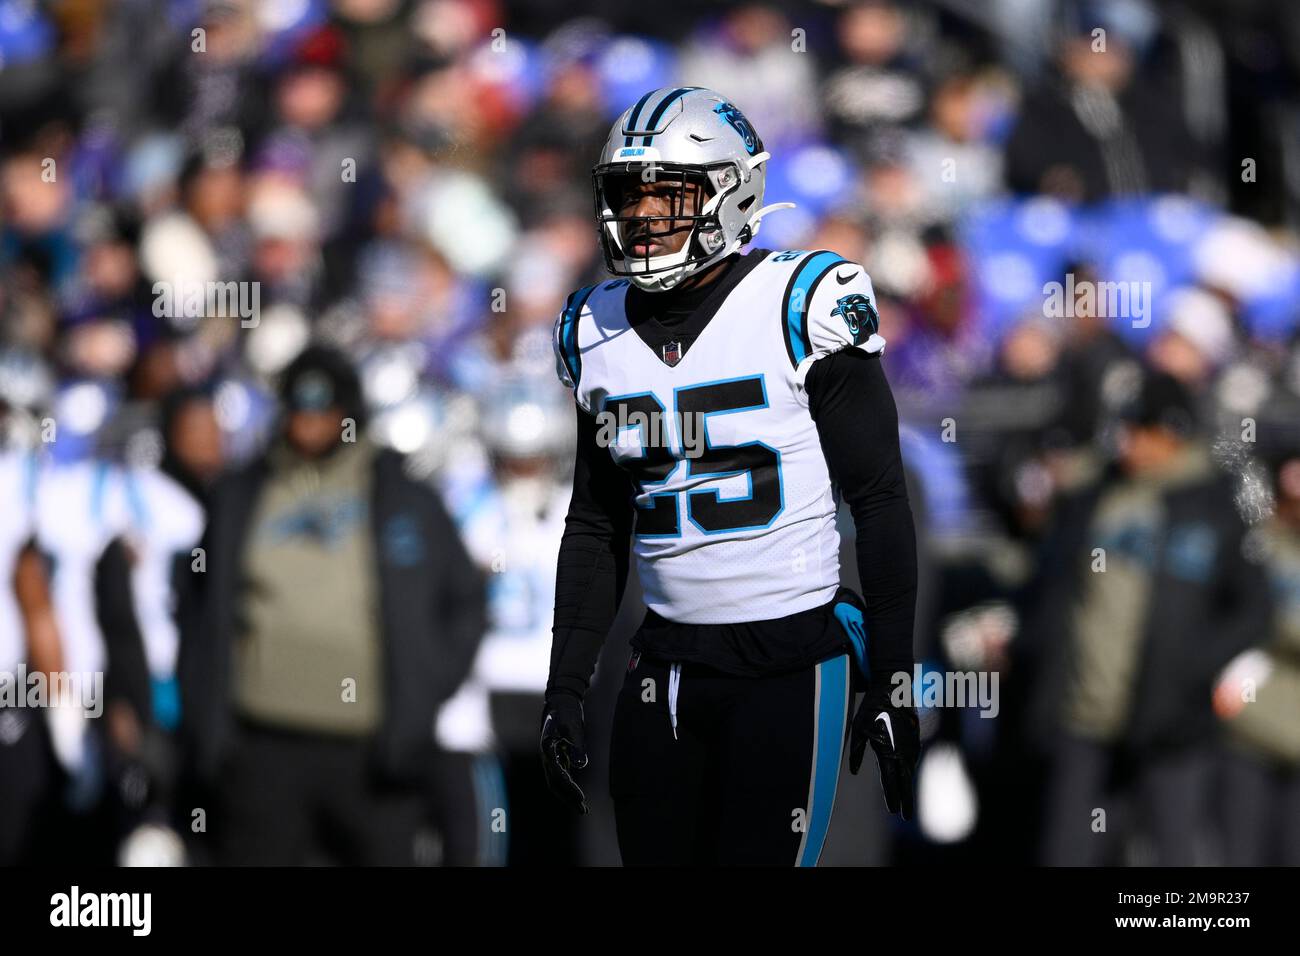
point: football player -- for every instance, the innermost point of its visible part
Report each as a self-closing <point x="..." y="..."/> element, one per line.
<point x="725" y="402"/>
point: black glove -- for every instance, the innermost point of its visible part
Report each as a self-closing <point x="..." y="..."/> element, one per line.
<point x="564" y="748"/>
<point x="895" y="736"/>
<point x="894" y="731"/>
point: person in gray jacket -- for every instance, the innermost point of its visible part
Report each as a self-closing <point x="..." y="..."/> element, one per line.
<point x="341" y="611"/>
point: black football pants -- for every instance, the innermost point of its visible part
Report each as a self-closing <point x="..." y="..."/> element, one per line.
<point x="712" y="769"/>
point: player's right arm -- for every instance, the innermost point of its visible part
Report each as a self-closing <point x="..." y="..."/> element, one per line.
<point x="590" y="576"/>
<point x="593" y="563"/>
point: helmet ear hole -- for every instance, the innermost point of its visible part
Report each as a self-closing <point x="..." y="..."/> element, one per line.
<point x="744" y="204"/>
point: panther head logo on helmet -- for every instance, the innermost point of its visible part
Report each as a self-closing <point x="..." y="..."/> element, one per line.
<point x="753" y="145"/>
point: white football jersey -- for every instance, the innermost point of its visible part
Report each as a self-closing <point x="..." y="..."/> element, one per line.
<point x="80" y="508"/>
<point x="517" y="546"/>
<point x="735" y="512"/>
<point x="18" y="473"/>
<point x="166" y="522"/>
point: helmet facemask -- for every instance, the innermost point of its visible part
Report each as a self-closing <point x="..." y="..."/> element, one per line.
<point x="692" y="197"/>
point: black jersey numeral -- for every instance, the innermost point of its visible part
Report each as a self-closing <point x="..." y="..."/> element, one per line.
<point x="707" y="510"/>
<point x="659" y="518"/>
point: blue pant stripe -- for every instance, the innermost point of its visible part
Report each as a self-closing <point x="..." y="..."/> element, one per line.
<point x="828" y="742"/>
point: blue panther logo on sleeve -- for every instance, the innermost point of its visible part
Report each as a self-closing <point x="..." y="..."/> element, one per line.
<point x="729" y="113"/>
<point x="859" y="315"/>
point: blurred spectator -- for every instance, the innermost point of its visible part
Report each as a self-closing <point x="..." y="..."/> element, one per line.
<point x="1010" y="419"/>
<point x="548" y="160"/>
<point x="1258" y="698"/>
<point x="942" y="350"/>
<point x="1097" y="366"/>
<point x="1106" y="127"/>
<point x="878" y="84"/>
<point x="1196" y="341"/>
<point x="219" y="87"/>
<point x="952" y="158"/>
<point x="311" y="680"/>
<point x="752" y="52"/>
<point x="317" y="141"/>
<point x="1144" y="592"/>
<point x="37" y="222"/>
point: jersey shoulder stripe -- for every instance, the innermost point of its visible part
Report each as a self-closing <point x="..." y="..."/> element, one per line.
<point x="795" y="304"/>
<point x="566" y="333"/>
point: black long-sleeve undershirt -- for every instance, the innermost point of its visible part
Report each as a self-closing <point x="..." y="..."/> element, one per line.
<point x="591" y="572"/>
<point x="857" y="423"/>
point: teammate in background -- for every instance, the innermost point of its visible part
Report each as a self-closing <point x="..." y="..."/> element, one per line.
<point x="83" y="506"/>
<point x="29" y="641"/>
<point x="58" y="522"/>
<point x="147" y="593"/>
<point x="156" y="556"/>
<point x="512" y="521"/>
<point x="725" y="401"/>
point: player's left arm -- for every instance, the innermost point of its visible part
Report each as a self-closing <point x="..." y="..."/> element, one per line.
<point x="849" y="398"/>
<point x="857" y="422"/>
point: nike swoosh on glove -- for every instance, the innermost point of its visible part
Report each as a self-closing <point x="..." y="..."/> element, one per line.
<point x="564" y="748"/>
<point x="895" y="735"/>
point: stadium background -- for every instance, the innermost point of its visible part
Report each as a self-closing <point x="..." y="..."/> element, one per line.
<point x="409" y="180"/>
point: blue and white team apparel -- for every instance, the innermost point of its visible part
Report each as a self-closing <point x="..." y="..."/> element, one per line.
<point x="735" y="510"/>
<point x="721" y="395"/>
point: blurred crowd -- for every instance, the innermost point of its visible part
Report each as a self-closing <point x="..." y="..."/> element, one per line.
<point x="284" y="454"/>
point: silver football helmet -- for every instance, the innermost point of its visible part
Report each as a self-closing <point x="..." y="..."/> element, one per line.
<point x="694" y="142"/>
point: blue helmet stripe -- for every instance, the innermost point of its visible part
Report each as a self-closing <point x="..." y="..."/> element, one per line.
<point x="636" y="115"/>
<point x="662" y="108"/>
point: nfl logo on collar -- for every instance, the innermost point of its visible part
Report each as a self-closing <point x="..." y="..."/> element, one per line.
<point x="672" y="353"/>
